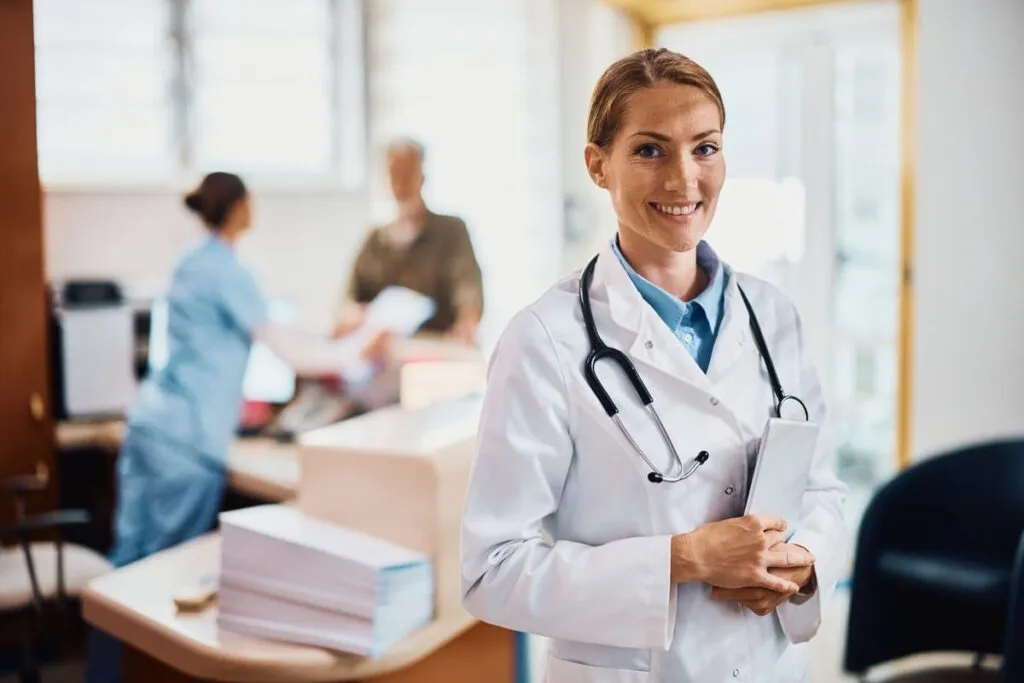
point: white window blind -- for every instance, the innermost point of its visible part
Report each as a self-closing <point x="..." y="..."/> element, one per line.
<point x="153" y="91"/>
<point x="104" y="103"/>
<point x="263" y="87"/>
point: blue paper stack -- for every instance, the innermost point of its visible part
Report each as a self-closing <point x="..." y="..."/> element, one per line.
<point x="290" y="577"/>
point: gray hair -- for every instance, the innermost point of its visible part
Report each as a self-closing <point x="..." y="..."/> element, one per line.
<point x="407" y="145"/>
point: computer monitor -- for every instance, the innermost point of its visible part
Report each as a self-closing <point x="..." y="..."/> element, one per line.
<point x="268" y="379"/>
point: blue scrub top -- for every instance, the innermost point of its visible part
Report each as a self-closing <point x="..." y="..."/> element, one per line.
<point x="214" y="304"/>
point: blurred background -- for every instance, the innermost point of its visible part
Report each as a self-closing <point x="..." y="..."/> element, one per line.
<point x="873" y="155"/>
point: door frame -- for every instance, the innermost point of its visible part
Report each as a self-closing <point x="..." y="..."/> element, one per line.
<point x="28" y="446"/>
<point x="647" y="17"/>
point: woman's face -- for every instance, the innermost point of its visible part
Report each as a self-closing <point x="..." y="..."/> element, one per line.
<point x="665" y="168"/>
<point x="241" y="214"/>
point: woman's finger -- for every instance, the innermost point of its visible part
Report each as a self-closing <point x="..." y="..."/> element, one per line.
<point x="789" y="556"/>
<point x="776" y="583"/>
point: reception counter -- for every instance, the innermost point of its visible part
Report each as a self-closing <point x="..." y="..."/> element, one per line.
<point x="433" y="371"/>
<point x="258" y="467"/>
<point x="136" y="605"/>
<point x="397" y="473"/>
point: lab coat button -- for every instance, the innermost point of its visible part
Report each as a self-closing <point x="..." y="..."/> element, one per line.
<point x="648" y="344"/>
<point x="729" y="491"/>
<point x="714" y="401"/>
<point x="735" y="673"/>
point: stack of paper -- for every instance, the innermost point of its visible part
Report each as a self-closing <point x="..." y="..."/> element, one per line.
<point x="287" y="576"/>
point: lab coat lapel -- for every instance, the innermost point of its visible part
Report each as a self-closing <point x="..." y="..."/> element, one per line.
<point x="733" y="337"/>
<point x="644" y="337"/>
<point x="734" y="367"/>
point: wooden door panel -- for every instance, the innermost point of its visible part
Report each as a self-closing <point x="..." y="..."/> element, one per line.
<point x="26" y="439"/>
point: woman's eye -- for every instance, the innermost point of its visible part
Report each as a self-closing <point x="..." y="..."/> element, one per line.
<point x="706" y="150"/>
<point x="648" y="151"/>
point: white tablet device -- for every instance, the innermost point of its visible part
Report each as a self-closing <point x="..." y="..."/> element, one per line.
<point x="782" y="469"/>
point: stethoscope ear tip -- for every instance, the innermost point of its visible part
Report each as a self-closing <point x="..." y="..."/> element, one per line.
<point x="654" y="477"/>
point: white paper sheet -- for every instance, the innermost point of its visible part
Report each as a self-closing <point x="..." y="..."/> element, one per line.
<point x="397" y="310"/>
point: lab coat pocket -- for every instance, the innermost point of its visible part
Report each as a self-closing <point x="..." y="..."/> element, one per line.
<point x="564" y="671"/>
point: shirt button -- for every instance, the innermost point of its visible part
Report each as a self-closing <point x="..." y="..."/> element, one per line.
<point x="688" y="338"/>
<point x="729" y="491"/>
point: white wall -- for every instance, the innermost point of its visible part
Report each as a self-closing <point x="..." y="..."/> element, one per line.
<point x="300" y="247"/>
<point x="969" y="280"/>
<point x="592" y="36"/>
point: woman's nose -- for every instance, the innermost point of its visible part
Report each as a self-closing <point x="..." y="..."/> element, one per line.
<point x="682" y="174"/>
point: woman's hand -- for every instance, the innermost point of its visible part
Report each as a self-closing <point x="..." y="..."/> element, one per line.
<point x="465" y="328"/>
<point x="763" y="601"/>
<point x="737" y="553"/>
<point x="349" y="321"/>
<point x="379" y="348"/>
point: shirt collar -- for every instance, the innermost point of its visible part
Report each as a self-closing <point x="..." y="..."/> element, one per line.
<point x="671" y="309"/>
<point x="218" y="242"/>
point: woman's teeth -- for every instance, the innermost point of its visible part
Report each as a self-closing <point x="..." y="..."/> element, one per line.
<point x="677" y="209"/>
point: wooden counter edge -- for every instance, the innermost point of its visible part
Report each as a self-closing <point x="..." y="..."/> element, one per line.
<point x="259" y="487"/>
<point x="205" y="662"/>
<point x="105" y="434"/>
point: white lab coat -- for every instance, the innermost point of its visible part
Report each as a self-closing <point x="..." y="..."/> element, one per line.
<point x="563" y="535"/>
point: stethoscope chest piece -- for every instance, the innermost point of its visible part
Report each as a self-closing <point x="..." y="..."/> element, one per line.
<point x="656" y="477"/>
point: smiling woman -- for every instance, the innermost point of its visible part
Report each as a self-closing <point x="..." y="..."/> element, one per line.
<point x="617" y="529"/>
<point x="666" y="169"/>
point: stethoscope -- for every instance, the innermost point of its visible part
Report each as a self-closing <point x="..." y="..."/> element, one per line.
<point x="601" y="351"/>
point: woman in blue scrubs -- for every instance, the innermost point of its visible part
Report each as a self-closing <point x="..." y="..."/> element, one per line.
<point x="171" y="470"/>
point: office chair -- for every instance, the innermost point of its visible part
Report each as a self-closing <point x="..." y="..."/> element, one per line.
<point x="940" y="561"/>
<point x="41" y="577"/>
<point x="1013" y="646"/>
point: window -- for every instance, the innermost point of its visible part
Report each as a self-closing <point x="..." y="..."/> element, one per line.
<point x="104" y="70"/>
<point x="812" y="197"/>
<point x="263" y="85"/>
<point x="153" y="90"/>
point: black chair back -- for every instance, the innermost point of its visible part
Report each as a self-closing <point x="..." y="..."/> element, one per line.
<point x="951" y="523"/>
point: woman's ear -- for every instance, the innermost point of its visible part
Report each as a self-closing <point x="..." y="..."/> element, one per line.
<point x="594" y="157"/>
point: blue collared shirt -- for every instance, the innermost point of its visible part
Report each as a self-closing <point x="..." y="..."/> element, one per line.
<point x="695" y="323"/>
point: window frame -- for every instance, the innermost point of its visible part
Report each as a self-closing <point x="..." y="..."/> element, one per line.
<point x="348" y="133"/>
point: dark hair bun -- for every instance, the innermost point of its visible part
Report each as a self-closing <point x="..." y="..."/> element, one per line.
<point x="194" y="201"/>
<point x="215" y="197"/>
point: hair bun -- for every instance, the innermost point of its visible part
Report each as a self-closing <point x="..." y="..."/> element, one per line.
<point x="194" y="201"/>
<point x="216" y="197"/>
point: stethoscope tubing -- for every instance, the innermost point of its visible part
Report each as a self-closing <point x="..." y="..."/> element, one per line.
<point x="600" y="351"/>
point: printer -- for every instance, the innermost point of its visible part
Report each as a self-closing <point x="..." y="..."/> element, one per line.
<point x="92" y="350"/>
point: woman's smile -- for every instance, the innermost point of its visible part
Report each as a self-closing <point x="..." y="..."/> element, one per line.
<point x="677" y="213"/>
